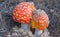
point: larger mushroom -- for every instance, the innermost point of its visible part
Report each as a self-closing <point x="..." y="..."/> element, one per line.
<point x="22" y="14"/>
<point x="40" y="21"/>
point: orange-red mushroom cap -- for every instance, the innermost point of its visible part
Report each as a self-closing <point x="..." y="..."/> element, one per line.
<point x="22" y="12"/>
<point x="41" y="21"/>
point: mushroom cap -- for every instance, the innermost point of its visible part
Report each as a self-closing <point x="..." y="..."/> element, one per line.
<point x="41" y="21"/>
<point x="23" y="12"/>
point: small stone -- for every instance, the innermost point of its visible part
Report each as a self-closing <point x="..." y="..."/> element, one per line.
<point x="24" y="33"/>
<point x="27" y="36"/>
<point x="14" y="34"/>
<point x="30" y="34"/>
<point x="8" y="35"/>
<point x="21" y="30"/>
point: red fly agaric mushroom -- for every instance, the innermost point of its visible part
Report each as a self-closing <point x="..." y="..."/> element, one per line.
<point x="22" y="13"/>
<point x="40" y="21"/>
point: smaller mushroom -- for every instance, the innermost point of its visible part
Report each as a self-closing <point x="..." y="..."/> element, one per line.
<point x="40" y="21"/>
<point x="22" y="13"/>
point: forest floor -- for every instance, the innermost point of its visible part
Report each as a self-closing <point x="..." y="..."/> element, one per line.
<point x="51" y="7"/>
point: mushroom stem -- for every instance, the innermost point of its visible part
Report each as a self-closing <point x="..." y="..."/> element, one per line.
<point x="38" y="32"/>
<point x="25" y="26"/>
